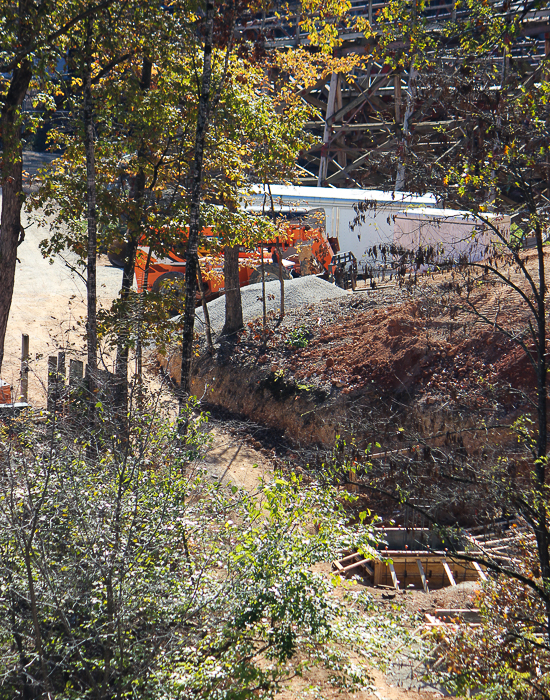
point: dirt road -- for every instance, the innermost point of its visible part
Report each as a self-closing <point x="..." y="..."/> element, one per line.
<point x="49" y="305"/>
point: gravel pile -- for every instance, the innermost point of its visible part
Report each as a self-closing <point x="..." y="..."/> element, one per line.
<point x="298" y="292"/>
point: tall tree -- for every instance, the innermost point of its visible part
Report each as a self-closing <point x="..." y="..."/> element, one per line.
<point x="195" y="197"/>
<point x="265" y="162"/>
<point x="31" y="38"/>
<point x="91" y="211"/>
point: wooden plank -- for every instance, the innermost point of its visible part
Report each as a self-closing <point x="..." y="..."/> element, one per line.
<point x="393" y="576"/>
<point x="368" y="568"/>
<point x="337" y="565"/>
<point x="504" y="540"/>
<point x="422" y="576"/>
<point x="482" y="574"/>
<point x="449" y="573"/>
<point x="377" y="571"/>
<point x="362" y="562"/>
<point x="348" y="557"/>
<point x="433" y="620"/>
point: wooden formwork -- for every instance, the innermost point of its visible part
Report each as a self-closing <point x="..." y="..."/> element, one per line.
<point x="423" y="570"/>
<point x="412" y="569"/>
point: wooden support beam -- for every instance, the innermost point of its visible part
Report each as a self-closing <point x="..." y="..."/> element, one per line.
<point x="359" y="100"/>
<point x="449" y="573"/>
<point x="393" y="576"/>
<point x="482" y="574"/>
<point x="339" y="565"/>
<point x="326" y="134"/>
<point x="422" y="576"/>
<point x="353" y="565"/>
<point x="349" y="557"/>
<point x="315" y="102"/>
<point x="341" y="156"/>
<point x="358" y="162"/>
<point x="368" y="567"/>
<point x="397" y="98"/>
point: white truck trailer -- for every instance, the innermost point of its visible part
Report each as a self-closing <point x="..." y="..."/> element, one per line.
<point x="337" y="205"/>
<point x="452" y="234"/>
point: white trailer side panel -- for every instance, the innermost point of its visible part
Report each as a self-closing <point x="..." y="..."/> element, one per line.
<point x="452" y="233"/>
<point x="338" y="205"/>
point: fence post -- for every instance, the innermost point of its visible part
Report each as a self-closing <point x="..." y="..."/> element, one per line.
<point x="52" y="383"/>
<point x="76" y="373"/>
<point x="61" y="366"/>
<point x="24" y="367"/>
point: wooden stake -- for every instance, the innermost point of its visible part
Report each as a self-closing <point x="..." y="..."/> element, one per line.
<point x="52" y="383"/>
<point x="422" y="576"/>
<point x="449" y="573"/>
<point x="24" y="367"/>
<point x="76" y="373"/>
<point x="61" y="367"/>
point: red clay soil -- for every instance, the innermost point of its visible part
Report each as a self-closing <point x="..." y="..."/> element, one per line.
<point x="396" y="348"/>
<point x="414" y="348"/>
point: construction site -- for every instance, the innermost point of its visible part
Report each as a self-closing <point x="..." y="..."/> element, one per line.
<point x="392" y="344"/>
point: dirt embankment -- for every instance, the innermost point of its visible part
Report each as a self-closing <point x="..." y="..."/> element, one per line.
<point x="369" y="363"/>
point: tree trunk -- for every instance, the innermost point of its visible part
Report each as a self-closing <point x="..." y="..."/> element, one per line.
<point x="281" y="278"/>
<point x="406" y="133"/>
<point x="207" y="326"/>
<point x="139" y="340"/>
<point x="91" y="213"/>
<point x="133" y="237"/>
<point x="123" y="339"/>
<point x="541" y="528"/>
<point x="12" y="190"/>
<point x="194" y="214"/>
<point x="264" y="301"/>
<point x="233" y="304"/>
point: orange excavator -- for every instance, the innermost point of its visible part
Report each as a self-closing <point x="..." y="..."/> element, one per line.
<point x="169" y="271"/>
<point x="304" y="251"/>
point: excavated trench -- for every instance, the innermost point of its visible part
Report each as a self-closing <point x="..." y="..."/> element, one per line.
<point x="310" y="415"/>
<point x="386" y="368"/>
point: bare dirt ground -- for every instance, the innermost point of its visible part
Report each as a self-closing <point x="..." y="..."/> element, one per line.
<point x="48" y="305"/>
<point x="420" y="339"/>
<point x="48" y="302"/>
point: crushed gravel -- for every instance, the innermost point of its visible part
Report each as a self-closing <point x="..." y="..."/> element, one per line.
<point x="298" y="292"/>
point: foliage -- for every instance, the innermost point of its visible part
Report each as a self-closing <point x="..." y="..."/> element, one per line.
<point x="299" y="337"/>
<point x="488" y="155"/>
<point x="125" y="570"/>
<point x="507" y="655"/>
